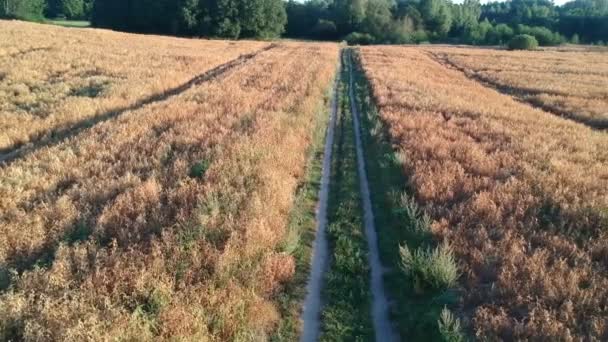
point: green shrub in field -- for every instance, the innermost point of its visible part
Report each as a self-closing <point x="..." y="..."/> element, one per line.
<point x="199" y="169"/>
<point x="417" y="223"/>
<point x="449" y="327"/>
<point x="523" y="42"/>
<point x="356" y="38"/>
<point x="433" y="269"/>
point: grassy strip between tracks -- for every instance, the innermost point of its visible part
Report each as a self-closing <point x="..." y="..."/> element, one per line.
<point x="346" y="314"/>
<point x="421" y="276"/>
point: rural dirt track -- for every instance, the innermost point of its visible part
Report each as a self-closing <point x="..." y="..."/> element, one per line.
<point x="515" y="93"/>
<point x="380" y="306"/>
<point x="312" y="303"/>
<point x="7" y="157"/>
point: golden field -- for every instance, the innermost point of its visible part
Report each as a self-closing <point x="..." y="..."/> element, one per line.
<point x="149" y="187"/>
<point x="572" y="83"/>
<point x="166" y="221"/>
<point x="52" y="78"/>
<point x="520" y="194"/>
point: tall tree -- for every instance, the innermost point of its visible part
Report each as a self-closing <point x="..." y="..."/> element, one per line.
<point x="70" y="9"/>
<point x="349" y="14"/>
<point x="378" y="19"/>
<point x="23" y="9"/>
<point x="223" y="18"/>
<point x="437" y="16"/>
<point x="465" y="16"/>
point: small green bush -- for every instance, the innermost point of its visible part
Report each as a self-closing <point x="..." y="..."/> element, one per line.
<point x="523" y="42"/>
<point x="543" y="35"/>
<point x="449" y="327"/>
<point x="357" y="38"/>
<point x="199" y="169"/>
<point x="429" y="269"/>
<point x="417" y="223"/>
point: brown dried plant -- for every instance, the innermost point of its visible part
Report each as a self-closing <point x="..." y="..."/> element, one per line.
<point x="570" y="83"/>
<point x="53" y="78"/>
<point x="165" y="222"/>
<point x="520" y="194"/>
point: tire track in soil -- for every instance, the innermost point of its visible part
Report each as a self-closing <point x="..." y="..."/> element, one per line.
<point x="380" y="306"/>
<point x="54" y="138"/>
<point x="312" y="303"/>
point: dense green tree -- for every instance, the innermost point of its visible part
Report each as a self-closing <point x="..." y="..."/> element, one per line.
<point x="263" y="18"/>
<point x="378" y="19"/>
<point x="477" y="33"/>
<point x="385" y="21"/>
<point x="437" y="17"/>
<point x="69" y="9"/>
<point x="500" y="34"/>
<point x="188" y="16"/>
<point x="585" y="8"/>
<point x="349" y="14"/>
<point x="309" y="19"/>
<point x="23" y="9"/>
<point x="527" y="12"/>
<point x="586" y="18"/>
<point x="465" y="17"/>
<point x="223" y="18"/>
<point x="324" y="29"/>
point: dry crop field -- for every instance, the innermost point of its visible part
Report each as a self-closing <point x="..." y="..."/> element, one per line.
<point x="167" y="219"/>
<point x="519" y="194"/>
<point x="53" y="78"/>
<point x="150" y="186"/>
<point x="570" y="83"/>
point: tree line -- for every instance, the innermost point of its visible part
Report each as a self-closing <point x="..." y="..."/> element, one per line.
<point x="220" y="18"/>
<point x="357" y="21"/>
<point x="37" y="10"/>
<point x="417" y="21"/>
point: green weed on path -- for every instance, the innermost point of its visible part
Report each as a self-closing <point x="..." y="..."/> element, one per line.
<point x="346" y="314"/>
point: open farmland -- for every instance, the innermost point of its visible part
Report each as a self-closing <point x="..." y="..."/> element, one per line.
<point x="569" y="83"/>
<point x="168" y="220"/>
<point x="156" y="188"/>
<point x="519" y="195"/>
<point x="55" y="81"/>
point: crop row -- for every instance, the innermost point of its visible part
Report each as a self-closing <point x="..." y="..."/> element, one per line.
<point x="520" y="196"/>
<point x="169" y="220"/>
<point x="54" y="78"/>
<point x="573" y="84"/>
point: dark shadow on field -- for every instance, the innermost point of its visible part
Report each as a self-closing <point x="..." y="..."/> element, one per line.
<point x="521" y="94"/>
<point x="8" y="156"/>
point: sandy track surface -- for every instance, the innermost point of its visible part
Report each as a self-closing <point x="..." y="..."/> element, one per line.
<point x="380" y="306"/>
<point x="312" y="303"/>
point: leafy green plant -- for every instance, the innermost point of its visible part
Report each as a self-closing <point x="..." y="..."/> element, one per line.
<point x="356" y="38"/>
<point x="418" y="223"/>
<point x="449" y="327"/>
<point x="523" y="42"/>
<point x="433" y="269"/>
<point x="199" y="169"/>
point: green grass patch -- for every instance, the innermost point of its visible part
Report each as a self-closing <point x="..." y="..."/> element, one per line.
<point x="420" y="276"/>
<point x="347" y="298"/>
<point x="70" y="23"/>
